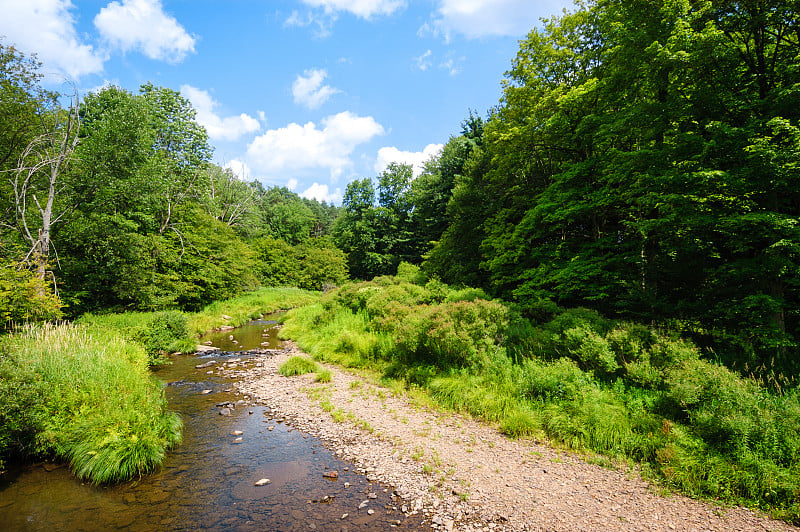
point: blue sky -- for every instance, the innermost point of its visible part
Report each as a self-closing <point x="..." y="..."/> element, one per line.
<point x="308" y="94"/>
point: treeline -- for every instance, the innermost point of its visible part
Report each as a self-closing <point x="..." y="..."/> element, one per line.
<point x="114" y="202"/>
<point x="643" y="162"/>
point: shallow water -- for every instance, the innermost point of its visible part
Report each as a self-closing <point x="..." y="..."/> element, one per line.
<point x="207" y="483"/>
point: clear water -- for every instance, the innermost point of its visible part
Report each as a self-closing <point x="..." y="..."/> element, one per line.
<point x="207" y="483"/>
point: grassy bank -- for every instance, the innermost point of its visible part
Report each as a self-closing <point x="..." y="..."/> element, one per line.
<point x="83" y="392"/>
<point x="87" y="398"/>
<point x="618" y="389"/>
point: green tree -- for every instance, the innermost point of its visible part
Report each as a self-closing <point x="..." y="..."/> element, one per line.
<point x="359" y="234"/>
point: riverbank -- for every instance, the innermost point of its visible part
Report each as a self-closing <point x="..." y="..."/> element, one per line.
<point x="460" y="474"/>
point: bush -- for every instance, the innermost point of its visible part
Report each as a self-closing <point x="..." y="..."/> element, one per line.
<point x="552" y="381"/>
<point x="166" y="332"/>
<point x="22" y="413"/>
<point x="24" y="297"/>
<point x="453" y="335"/>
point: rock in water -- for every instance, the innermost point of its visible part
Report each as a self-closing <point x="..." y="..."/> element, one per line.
<point x="263" y="482"/>
<point x="331" y="474"/>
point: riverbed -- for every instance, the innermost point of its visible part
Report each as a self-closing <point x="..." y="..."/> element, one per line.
<point x="209" y="481"/>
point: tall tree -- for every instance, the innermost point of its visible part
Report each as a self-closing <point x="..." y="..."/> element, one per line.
<point x="38" y="184"/>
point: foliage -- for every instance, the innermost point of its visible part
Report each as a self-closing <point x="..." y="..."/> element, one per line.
<point x="25" y="297"/>
<point x="588" y="382"/>
<point x="22" y="414"/>
<point x="102" y="411"/>
<point x="159" y="333"/>
<point x="314" y="265"/>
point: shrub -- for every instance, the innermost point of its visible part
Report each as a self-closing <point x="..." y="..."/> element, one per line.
<point x="24" y="297"/>
<point x="166" y="332"/>
<point x="453" y="335"/>
<point x="559" y="380"/>
<point x="410" y="273"/>
<point x="22" y="413"/>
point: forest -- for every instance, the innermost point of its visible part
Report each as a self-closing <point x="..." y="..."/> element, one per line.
<point x="621" y="228"/>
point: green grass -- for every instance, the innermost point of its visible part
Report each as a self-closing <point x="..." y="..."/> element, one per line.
<point x="104" y="413"/>
<point x="622" y="390"/>
<point x="248" y="307"/>
<point x="297" y="365"/>
<point x="323" y="375"/>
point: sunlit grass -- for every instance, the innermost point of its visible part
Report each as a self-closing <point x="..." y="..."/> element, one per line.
<point x="248" y="307"/>
<point x="297" y="365"/>
<point x="105" y="414"/>
<point x="581" y="382"/>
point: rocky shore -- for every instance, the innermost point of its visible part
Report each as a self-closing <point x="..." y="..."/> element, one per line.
<point x="459" y="474"/>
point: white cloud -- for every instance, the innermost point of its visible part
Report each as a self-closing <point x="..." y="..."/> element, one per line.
<point x="228" y="128"/>
<point x="423" y="61"/>
<point x="321" y="193"/>
<point x="309" y="91"/>
<point x="47" y="28"/>
<point x="292" y="184"/>
<point x="361" y="8"/>
<point x="297" y="147"/>
<point x="143" y="25"/>
<point x="481" y="18"/>
<point x="323" y="23"/>
<point x="451" y="66"/>
<point x="239" y="168"/>
<point x="390" y="154"/>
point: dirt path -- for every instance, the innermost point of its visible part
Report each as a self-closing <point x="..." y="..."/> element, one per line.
<point x="464" y="475"/>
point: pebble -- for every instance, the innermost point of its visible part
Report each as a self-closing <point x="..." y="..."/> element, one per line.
<point x="263" y="482"/>
<point x="236" y="433"/>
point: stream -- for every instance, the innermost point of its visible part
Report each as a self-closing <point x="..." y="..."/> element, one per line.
<point x="208" y="482"/>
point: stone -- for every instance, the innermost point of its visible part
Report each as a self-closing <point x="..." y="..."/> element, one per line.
<point x="237" y="440"/>
<point x="236" y="433"/>
<point x="370" y="511"/>
<point x="363" y="505"/>
<point x="331" y="474"/>
<point x="225" y="411"/>
<point x="206" y="392"/>
<point x="344" y="516"/>
<point x="263" y="482"/>
<point x="206" y="349"/>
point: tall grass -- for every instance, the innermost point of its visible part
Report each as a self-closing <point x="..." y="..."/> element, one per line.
<point x="591" y="384"/>
<point x="159" y="333"/>
<point x="103" y="412"/>
<point x="248" y="307"/>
